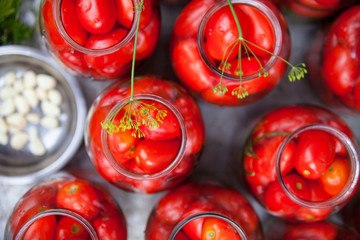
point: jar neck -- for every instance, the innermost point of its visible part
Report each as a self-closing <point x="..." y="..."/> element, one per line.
<point x="61" y="29"/>
<point x="138" y="176"/>
<point x="268" y="9"/>
<point x="219" y="216"/>
<point x="352" y="153"/>
<point x="57" y="212"/>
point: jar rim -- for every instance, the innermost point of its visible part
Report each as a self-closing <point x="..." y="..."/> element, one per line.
<point x="61" y="212"/>
<point x="267" y="11"/>
<point x="181" y="151"/>
<point x="61" y="29"/>
<point x="209" y="214"/>
<point x="352" y="182"/>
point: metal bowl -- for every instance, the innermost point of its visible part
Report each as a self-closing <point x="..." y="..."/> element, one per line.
<point x="61" y="143"/>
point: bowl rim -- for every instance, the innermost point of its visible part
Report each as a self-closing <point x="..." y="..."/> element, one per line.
<point x="80" y="106"/>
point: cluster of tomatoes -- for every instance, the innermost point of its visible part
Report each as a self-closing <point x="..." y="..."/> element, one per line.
<point x="200" y="68"/>
<point x="194" y="198"/>
<point x="155" y="151"/>
<point x="88" y="200"/>
<point x="97" y="29"/>
<point x="314" y="165"/>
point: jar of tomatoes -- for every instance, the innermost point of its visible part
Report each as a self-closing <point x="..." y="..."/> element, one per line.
<point x="334" y="62"/>
<point x="301" y="163"/>
<point x="95" y="38"/>
<point x="324" y="230"/>
<point x="315" y="9"/>
<point x="224" y="62"/>
<point x="203" y="211"/>
<point x="165" y="155"/>
<point x="66" y="207"/>
<point x="351" y="213"/>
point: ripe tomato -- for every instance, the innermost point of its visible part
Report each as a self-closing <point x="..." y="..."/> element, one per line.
<point x="221" y="33"/>
<point x="151" y="85"/>
<point x="328" y="3"/>
<point x="155" y="156"/>
<point x="168" y="129"/>
<point x="96" y="16"/>
<point x="71" y="22"/>
<point x="347" y="27"/>
<point x="314" y="154"/>
<point x="196" y="75"/>
<point x="157" y="229"/>
<point x="335" y="178"/>
<point x="340" y="125"/>
<point x="148" y="37"/>
<point x="260" y="170"/>
<point x="317" y="193"/>
<point x="284" y="119"/>
<point x="74" y="60"/>
<point x="339" y="70"/>
<point x="42" y="229"/>
<point x="79" y="196"/>
<point x="69" y="228"/>
<point x="193" y="229"/>
<point x="181" y="236"/>
<point x="217" y="229"/>
<point x="125" y="13"/>
<point x="113" y="61"/>
<point x="56" y="39"/>
<point x="261" y="32"/>
<point x="110" y="228"/>
<point x="95" y="127"/>
<point x="188" y="22"/>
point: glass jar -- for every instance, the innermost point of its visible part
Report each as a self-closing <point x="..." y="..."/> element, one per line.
<point x="197" y="50"/>
<point x="197" y="210"/>
<point x="334" y="62"/>
<point x="301" y="163"/>
<point x="66" y="207"/>
<point x="315" y="9"/>
<point x="95" y="38"/>
<point x="165" y="156"/>
<point x="351" y="213"/>
<point x="323" y="230"/>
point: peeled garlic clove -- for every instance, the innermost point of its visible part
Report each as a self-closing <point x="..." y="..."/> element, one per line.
<point x="36" y="147"/>
<point x="18" y="86"/>
<point x="50" y="109"/>
<point x="21" y="104"/>
<point x="55" y="96"/>
<point x="7" y="107"/>
<point x="45" y="81"/>
<point x="19" y="140"/>
<point x="9" y="78"/>
<point x="7" y="92"/>
<point x="33" y="118"/>
<point x="29" y="79"/>
<point x="49" y="122"/>
<point x="16" y="120"/>
<point x="31" y="97"/>
<point x="41" y="94"/>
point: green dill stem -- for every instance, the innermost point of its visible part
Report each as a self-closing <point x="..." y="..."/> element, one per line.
<point x="139" y="7"/>
<point x="236" y="19"/>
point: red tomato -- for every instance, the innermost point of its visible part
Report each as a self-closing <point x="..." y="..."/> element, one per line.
<point x="71" y="22"/>
<point x="125" y="13"/>
<point x="157" y="229"/>
<point x="69" y="228"/>
<point x="339" y="70"/>
<point x="196" y="75"/>
<point x="168" y="129"/>
<point x="284" y="119"/>
<point x="188" y="22"/>
<point x="95" y="127"/>
<point x="113" y="61"/>
<point x="276" y="199"/>
<point x="96" y="16"/>
<point x="335" y="178"/>
<point x="42" y="229"/>
<point x="74" y="60"/>
<point x="217" y="229"/>
<point x="221" y="33"/>
<point x="317" y="193"/>
<point x="193" y="123"/>
<point x="347" y="27"/>
<point x="193" y="228"/>
<point x="318" y="231"/>
<point x="151" y="85"/>
<point x="79" y="196"/>
<point x="340" y="125"/>
<point x="261" y="170"/>
<point x="110" y="228"/>
<point x="148" y="37"/>
<point x="314" y="154"/>
<point x="181" y="236"/>
<point x="154" y="156"/>
<point x="261" y="32"/>
<point x="49" y="22"/>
